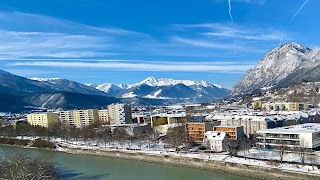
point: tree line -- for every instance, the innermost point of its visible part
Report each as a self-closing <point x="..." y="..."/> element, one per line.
<point x="94" y="135"/>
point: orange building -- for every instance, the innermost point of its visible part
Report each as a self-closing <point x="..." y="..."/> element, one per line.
<point x="234" y="132"/>
<point x="196" y="130"/>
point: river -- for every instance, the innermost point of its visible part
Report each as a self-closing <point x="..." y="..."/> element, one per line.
<point x="97" y="167"/>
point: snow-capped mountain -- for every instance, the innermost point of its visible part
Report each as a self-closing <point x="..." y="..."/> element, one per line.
<point x="165" y="88"/>
<point x="152" y="81"/>
<point x="109" y="88"/>
<point x="309" y="71"/>
<point x="274" y="67"/>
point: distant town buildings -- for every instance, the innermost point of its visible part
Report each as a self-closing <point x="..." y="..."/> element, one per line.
<point x="43" y="119"/>
<point x="281" y="106"/>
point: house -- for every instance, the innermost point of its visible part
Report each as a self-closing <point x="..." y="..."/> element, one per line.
<point x="216" y="141"/>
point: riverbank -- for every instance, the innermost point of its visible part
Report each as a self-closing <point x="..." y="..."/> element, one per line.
<point x="259" y="170"/>
<point x="27" y="143"/>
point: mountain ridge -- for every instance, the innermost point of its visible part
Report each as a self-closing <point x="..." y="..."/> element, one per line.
<point x="273" y="68"/>
<point x="159" y="88"/>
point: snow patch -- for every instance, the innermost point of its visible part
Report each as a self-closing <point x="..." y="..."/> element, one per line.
<point x="129" y="95"/>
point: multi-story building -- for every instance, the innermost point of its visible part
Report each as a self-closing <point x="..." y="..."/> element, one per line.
<point x="43" y="119"/>
<point x="196" y="130"/>
<point x="103" y="116"/>
<point x="120" y="114"/>
<point x="79" y="118"/>
<point x="163" y="119"/>
<point x="234" y="132"/>
<point x="250" y="124"/>
<point x="302" y="135"/>
<point x="253" y="123"/>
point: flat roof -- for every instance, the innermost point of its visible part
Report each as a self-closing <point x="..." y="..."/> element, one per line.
<point x="300" y="128"/>
<point x="231" y="126"/>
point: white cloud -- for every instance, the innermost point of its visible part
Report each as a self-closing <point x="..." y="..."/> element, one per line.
<point x="18" y="21"/>
<point x="227" y="31"/>
<point x="42" y="44"/>
<point x="143" y="65"/>
<point x="202" y="43"/>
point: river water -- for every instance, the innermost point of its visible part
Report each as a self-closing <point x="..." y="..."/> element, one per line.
<point x="97" y="167"/>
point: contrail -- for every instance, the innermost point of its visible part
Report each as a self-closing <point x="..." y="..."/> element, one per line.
<point x="305" y="2"/>
<point x="234" y="35"/>
<point x="230" y="14"/>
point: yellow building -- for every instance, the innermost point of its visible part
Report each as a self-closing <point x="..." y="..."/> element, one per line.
<point x="256" y="105"/>
<point x="79" y="118"/>
<point x="43" y="119"/>
<point x="164" y="119"/>
<point x="103" y="116"/>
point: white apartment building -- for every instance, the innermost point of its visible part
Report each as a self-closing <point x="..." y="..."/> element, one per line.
<point x="79" y="118"/>
<point x="119" y="114"/>
<point x="216" y="141"/>
<point x="302" y="135"/>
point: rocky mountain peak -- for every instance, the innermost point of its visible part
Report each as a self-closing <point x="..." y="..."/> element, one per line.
<point x="276" y="65"/>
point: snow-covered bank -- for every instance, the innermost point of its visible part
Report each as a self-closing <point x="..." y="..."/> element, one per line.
<point x="214" y="162"/>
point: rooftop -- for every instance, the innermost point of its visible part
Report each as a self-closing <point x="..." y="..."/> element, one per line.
<point x="300" y="128"/>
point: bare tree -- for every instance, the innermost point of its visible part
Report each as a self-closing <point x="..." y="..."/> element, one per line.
<point x="302" y="150"/>
<point x="140" y="136"/>
<point x="40" y="131"/>
<point x="54" y="131"/>
<point x="313" y="159"/>
<point x="105" y="135"/>
<point x="88" y="134"/>
<point x="73" y="133"/>
<point x="245" y="146"/>
<point x="152" y="137"/>
<point x="280" y="150"/>
<point x="23" y="129"/>
<point x="8" y="131"/>
<point x="176" y="137"/>
<point x="233" y="147"/>
<point x="20" y="166"/>
<point x="120" y="134"/>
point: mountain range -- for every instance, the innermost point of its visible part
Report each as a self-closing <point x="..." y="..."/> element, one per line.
<point x="164" y="88"/>
<point x="18" y="92"/>
<point x="283" y="66"/>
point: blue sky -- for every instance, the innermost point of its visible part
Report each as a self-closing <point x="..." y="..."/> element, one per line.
<point x="125" y="41"/>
